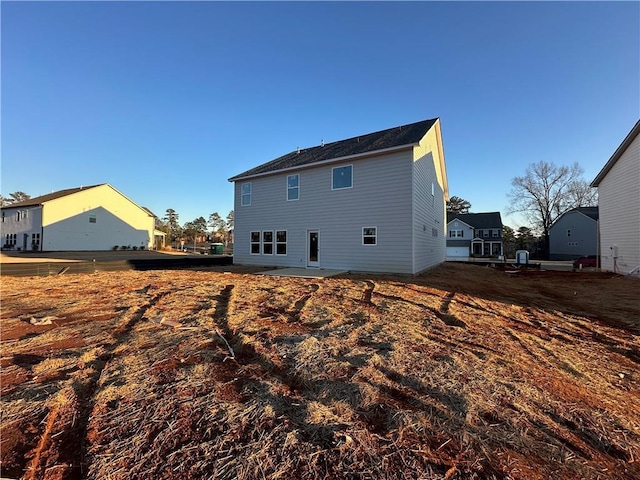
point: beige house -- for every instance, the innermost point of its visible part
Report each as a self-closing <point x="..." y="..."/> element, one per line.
<point x="619" y="205"/>
<point x="97" y="217"/>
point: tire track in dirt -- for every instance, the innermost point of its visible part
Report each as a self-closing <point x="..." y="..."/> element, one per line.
<point x="66" y="447"/>
<point x="294" y="313"/>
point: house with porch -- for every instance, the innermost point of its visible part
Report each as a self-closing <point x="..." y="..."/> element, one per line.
<point x="96" y="217"/>
<point x="574" y="234"/>
<point x="619" y="207"/>
<point x="474" y="235"/>
<point x="370" y="203"/>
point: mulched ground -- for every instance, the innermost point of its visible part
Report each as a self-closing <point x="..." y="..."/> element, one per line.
<point x="463" y="372"/>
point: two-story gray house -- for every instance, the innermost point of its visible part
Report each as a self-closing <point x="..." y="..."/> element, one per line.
<point x="372" y="203"/>
<point x="574" y="234"/>
<point x="474" y="235"/>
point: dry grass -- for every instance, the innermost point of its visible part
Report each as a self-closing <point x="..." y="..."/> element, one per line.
<point x="464" y="372"/>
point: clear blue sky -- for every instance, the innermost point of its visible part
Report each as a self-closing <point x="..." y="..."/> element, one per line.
<point x="167" y="100"/>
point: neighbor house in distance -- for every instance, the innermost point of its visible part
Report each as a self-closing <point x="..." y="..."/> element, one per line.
<point x="97" y="217"/>
<point x="574" y="234"/>
<point x="619" y="205"/>
<point x="373" y="203"/>
<point x="474" y="235"/>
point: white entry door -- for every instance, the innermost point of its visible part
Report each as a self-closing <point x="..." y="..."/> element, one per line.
<point x="313" y="248"/>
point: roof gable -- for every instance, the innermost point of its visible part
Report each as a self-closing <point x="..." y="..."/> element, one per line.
<point x="477" y="220"/>
<point x="617" y="154"/>
<point x="49" y="196"/>
<point x="404" y="135"/>
<point x="589" y="212"/>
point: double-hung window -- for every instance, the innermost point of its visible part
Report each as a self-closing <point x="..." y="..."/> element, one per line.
<point x="281" y="242"/>
<point x="255" y="243"/>
<point x="267" y="243"/>
<point x="342" y="177"/>
<point x="245" y="193"/>
<point x="369" y="235"/>
<point x="293" y="187"/>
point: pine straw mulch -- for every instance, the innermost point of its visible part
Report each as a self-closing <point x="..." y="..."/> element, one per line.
<point x="463" y="372"/>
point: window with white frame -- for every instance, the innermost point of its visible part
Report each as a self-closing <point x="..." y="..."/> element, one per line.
<point x="255" y="243"/>
<point x="267" y="243"/>
<point x="342" y="177"/>
<point x="293" y="187"/>
<point x="35" y="241"/>
<point x="495" y="233"/>
<point x="92" y="218"/>
<point x="369" y="235"/>
<point x="245" y="194"/>
<point x="456" y="233"/>
<point x="281" y="242"/>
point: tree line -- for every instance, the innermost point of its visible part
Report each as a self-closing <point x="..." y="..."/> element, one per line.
<point x="216" y="229"/>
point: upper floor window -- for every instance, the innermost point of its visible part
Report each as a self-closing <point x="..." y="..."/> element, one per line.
<point x="92" y="218"/>
<point x="495" y="233"/>
<point x="342" y="177"/>
<point x="293" y="187"/>
<point x="245" y="192"/>
<point x="456" y="233"/>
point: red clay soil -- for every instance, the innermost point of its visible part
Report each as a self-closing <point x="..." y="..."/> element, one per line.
<point x="464" y="372"/>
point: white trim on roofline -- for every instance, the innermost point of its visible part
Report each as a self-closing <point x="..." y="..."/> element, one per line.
<point x="325" y="162"/>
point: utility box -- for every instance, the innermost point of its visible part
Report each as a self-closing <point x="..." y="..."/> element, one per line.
<point x="522" y="257"/>
<point x="216" y="248"/>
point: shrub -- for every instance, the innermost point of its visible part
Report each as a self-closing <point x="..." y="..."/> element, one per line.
<point x="135" y="248"/>
<point x="115" y="247"/>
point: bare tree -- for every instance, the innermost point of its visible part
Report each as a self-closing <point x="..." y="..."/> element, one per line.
<point x="544" y="193"/>
<point x="458" y="205"/>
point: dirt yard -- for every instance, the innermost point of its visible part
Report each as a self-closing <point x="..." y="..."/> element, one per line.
<point x="465" y="372"/>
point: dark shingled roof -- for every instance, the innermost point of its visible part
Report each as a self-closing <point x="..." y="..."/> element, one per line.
<point x="478" y="220"/>
<point x="591" y="212"/>
<point x="48" y="197"/>
<point x="371" y="142"/>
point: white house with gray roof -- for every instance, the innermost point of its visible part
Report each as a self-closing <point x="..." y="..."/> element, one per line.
<point x="474" y="235"/>
<point x="96" y="217"/>
<point x="372" y="203"/>
<point x="619" y="205"/>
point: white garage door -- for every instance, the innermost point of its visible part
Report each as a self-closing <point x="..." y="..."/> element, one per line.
<point x="457" y="252"/>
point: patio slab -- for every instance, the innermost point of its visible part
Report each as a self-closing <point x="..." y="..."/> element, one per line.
<point x="303" y="272"/>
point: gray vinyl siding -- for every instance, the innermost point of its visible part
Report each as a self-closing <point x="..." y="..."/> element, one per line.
<point x="428" y="216"/>
<point x="583" y="239"/>
<point x="619" y="209"/>
<point x="380" y="197"/>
